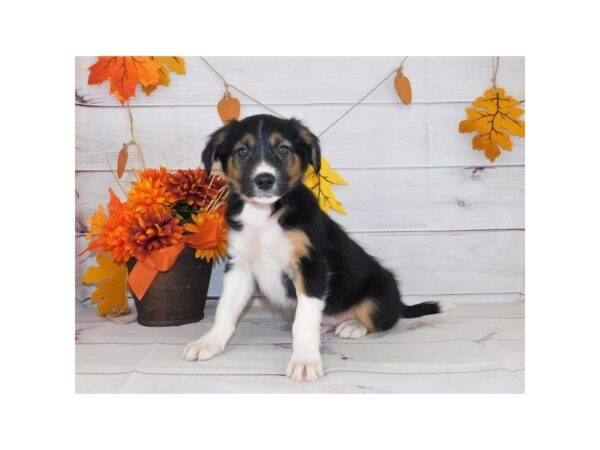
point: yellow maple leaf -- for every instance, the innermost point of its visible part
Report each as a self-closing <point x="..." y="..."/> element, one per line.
<point x="167" y="63"/>
<point x="496" y="118"/>
<point x="96" y="222"/>
<point x="110" y="280"/>
<point x="321" y="185"/>
<point x="175" y="63"/>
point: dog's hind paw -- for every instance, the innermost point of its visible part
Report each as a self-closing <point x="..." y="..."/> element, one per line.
<point x="351" y="329"/>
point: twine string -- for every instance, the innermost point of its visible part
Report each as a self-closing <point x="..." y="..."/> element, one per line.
<point x="134" y="141"/>
<point x="217" y="73"/>
<point x="495" y="66"/>
<point x="228" y="85"/>
<point x="364" y="97"/>
<point x="401" y="67"/>
<point x="257" y="101"/>
<point x="116" y="316"/>
<point x="344" y="114"/>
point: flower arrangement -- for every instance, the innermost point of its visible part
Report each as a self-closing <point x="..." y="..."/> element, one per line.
<point x="165" y="211"/>
<point x="166" y="218"/>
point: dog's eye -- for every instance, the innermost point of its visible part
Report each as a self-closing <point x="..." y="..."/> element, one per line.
<point x="284" y="149"/>
<point x="242" y="151"/>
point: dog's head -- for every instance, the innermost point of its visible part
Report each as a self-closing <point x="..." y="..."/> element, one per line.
<point x="263" y="156"/>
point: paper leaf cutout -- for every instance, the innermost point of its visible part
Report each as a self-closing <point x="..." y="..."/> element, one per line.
<point x="495" y="118"/>
<point x="122" y="160"/>
<point x="402" y="84"/>
<point x="110" y="280"/>
<point x="168" y="63"/>
<point x="321" y="185"/>
<point x="228" y="108"/>
<point x="124" y="74"/>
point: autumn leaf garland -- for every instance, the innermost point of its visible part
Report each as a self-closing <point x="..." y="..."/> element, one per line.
<point x="495" y="116"/>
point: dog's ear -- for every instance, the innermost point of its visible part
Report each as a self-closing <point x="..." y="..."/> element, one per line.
<point x="311" y="141"/>
<point x="213" y="146"/>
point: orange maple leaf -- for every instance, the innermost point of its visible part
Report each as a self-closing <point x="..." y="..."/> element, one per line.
<point x="495" y="117"/>
<point x="124" y="74"/>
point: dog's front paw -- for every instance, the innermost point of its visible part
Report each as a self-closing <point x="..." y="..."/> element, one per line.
<point x="204" y="348"/>
<point x="304" y="369"/>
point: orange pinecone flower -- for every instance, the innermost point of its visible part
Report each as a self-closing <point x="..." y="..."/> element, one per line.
<point x="194" y="186"/>
<point x="199" y="220"/>
<point x="154" y="230"/>
<point x="150" y="192"/>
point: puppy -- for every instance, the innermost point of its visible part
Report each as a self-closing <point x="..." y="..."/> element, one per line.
<point x="297" y="255"/>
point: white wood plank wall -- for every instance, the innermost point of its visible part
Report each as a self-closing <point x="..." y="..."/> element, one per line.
<point x="448" y="222"/>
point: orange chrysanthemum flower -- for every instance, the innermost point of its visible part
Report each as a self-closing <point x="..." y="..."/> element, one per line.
<point x="194" y="186"/>
<point x="150" y="192"/>
<point x="199" y="221"/>
<point x="154" y="230"/>
<point x="117" y="239"/>
<point x="113" y="236"/>
<point x="161" y="174"/>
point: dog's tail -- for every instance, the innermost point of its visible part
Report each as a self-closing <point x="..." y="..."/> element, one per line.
<point x="425" y="308"/>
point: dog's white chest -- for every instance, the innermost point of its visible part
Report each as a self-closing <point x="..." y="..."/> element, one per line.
<point x="262" y="248"/>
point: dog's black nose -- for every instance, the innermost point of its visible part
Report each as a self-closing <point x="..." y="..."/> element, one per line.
<point x="264" y="181"/>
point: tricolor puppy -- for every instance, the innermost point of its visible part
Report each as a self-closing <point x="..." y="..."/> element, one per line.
<point x="298" y="256"/>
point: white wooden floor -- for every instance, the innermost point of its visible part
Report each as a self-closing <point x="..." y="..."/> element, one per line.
<point x="476" y="348"/>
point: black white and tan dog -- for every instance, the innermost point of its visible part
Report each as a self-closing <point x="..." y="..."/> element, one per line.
<point x="280" y="240"/>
